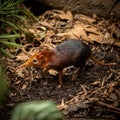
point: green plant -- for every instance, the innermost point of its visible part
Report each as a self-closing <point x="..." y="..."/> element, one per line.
<point x="3" y="84"/>
<point x="9" y="41"/>
<point x="37" y="110"/>
<point x="14" y="21"/>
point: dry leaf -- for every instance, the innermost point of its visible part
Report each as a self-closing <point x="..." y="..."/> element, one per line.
<point x="96" y="38"/>
<point x="13" y="94"/>
<point x="77" y="32"/>
<point x="92" y="29"/>
<point x="86" y="18"/>
<point x="22" y="57"/>
<point x="117" y="43"/>
<point x="105" y="92"/>
<point x="18" y="82"/>
<point x="19" y="72"/>
<point x="112" y="85"/>
<point x="63" y="15"/>
<point x="24" y="86"/>
<point x="46" y="24"/>
<point x="96" y="83"/>
<point x="31" y="30"/>
<point x="62" y="105"/>
<point x="53" y="72"/>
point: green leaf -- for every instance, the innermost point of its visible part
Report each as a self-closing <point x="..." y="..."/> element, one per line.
<point x="5" y="52"/>
<point x="3" y="84"/>
<point x="10" y="44"/>
<point x="37" y="110"/>
<point x="9" y="23"/>
<point x="9" y="36"/>
<point x="20" y="17"/>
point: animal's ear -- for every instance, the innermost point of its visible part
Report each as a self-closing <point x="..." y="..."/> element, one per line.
<point x="42" y="58"/>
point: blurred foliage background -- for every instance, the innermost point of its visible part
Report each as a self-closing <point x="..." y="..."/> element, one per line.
<point x="3" y="86"/>
<point x="14" y="22"/>
<point x="14" y="19"/>
<point x="37" y="110"/>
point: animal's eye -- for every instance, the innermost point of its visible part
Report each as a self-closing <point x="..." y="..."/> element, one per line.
<point x="35" y="61"/>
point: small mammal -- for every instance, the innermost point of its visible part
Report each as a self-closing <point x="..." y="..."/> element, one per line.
<point x="71" y="52"/>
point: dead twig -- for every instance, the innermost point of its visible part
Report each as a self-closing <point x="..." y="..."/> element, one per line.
<point x="107" y="106"/>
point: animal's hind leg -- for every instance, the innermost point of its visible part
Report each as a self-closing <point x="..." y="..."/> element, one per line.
<point x="77" y="71"/>
<point x="75" y="74"/>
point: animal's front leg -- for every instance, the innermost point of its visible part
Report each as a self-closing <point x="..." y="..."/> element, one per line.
<point x="60" y="78"/>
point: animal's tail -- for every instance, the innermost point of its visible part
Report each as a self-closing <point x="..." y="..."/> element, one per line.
<point x="99" y="62"/>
